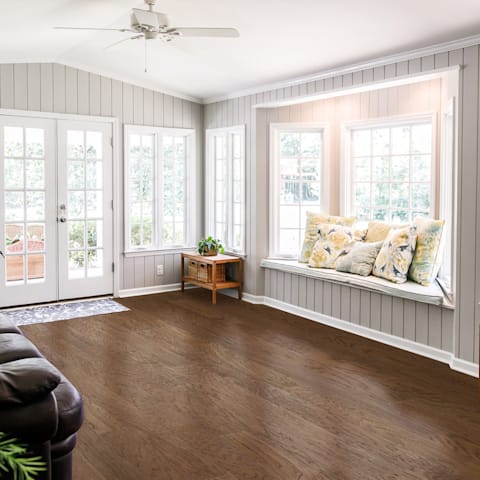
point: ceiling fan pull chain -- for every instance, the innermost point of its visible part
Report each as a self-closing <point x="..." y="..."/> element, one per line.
<point x="145" y="54"/>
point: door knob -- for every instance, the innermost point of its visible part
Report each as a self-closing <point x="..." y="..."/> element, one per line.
<point x="62" y="219"/>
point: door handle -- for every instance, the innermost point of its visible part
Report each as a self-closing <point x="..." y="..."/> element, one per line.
<point x="62" y="219"/>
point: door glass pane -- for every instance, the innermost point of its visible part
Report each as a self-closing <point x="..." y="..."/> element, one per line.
<point x="76" y="234"/>
<point x="76" y="204"/>
<point x="35" y="143"/>
<point x="76" y="174"/>
<point x="94" y="145"/>
<point x="94" y="204"/>
<point x="95" y="263"/>
<point x="35" y="173"/>
<point x="14" y="206"/>
<point x="76" y="264"/>
<point x="13" y="143"/>
<point x="94" y="174"/>
<point x="13" y="173"/>
<point x="14" y="268"/>
<point x="13" y="237"/>
<point x="95" y="233"/>
<point x="35" y="205"/>
<point x="36" y="267"/>
<point x="75" y="144"/>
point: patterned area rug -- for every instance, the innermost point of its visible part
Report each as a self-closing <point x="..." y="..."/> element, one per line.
<point x="64" y="311"/>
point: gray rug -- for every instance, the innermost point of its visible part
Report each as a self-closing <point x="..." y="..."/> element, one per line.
<point x="64" y="311"/>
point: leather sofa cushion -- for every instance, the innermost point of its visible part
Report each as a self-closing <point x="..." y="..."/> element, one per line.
<point x="70" y="409"/>
<point x="7" y="325"/>
<point x="14" y="347"/>
<point x="27" y="380"/>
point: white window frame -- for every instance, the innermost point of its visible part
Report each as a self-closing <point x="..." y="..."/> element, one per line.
<point x="210" y="191"/>
<point x="346" y="186"/>
<point x="274" y="171"/>
<point x="190" y="187"/>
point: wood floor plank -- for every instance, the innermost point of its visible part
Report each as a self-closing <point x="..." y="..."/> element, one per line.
<point x="178" y="388"/>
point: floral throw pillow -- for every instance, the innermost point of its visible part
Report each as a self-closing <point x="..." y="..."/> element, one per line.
<point x="427" y="259"/>
<point x="333" y="242"/>
<point x="311" y="233"/>
<point x="396" y="254"/>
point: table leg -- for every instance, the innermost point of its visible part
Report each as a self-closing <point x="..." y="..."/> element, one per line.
<point x="214" y="296"/>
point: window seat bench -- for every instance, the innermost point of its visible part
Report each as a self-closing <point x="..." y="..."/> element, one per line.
<point x="432" y="294"/>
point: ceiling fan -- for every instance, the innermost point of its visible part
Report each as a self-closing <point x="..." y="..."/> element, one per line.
<point x="151" y="25"/>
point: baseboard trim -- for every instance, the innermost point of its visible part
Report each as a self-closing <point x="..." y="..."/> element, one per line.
<point x="456" y="364"/>
<point x="135" y="292"/>
<point x="255" y="299"/>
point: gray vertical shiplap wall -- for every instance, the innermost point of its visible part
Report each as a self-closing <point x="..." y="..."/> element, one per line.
<point x="430" y="325"/>
<point x="466" y="318"/>
<point x="56" y="88"/>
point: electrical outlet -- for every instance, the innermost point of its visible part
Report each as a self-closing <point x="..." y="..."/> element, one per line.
<point x="160" y="270"/>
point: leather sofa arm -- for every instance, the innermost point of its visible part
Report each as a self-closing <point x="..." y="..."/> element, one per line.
<point x="34" y="422"/>
<point x="28" y="407"/>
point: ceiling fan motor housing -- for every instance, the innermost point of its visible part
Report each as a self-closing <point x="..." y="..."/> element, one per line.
<point x="147" y="21"/>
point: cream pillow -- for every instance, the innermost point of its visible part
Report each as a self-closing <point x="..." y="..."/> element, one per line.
<point x="334" y="241"/>
<point x="311" y="233"/>
<point x="377" y="231"/>
<point x="359" y="259"/>
<point x="427" y="259"/>
<point x="396" y="254"/>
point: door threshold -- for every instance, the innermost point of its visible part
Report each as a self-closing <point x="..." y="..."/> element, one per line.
<point x="56" y="302"/>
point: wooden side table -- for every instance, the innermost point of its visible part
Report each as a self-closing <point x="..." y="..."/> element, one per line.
<point x="209" y="273"/>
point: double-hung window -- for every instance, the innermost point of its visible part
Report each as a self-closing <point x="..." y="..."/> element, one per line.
<point x="225" y="187"/>
<point x="391" y="171"/>
<point x="159" y="166"/>
<point x="298" y="183"/>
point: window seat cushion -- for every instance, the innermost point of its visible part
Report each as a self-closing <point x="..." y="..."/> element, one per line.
<point x="432" y="294"/>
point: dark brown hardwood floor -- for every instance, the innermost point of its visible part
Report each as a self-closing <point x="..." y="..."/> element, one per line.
<point x="178" y="388"/>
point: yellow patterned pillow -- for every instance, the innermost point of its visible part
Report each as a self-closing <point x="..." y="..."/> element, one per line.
<point x="378" y="231"/>
<point x="427" y="259"/>
<point x="311" y="233"/>
<point x="396" y="254"/>
<point x="334" y="241"/>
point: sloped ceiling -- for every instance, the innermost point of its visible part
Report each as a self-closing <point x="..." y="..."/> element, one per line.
<point x="279" y="39"/>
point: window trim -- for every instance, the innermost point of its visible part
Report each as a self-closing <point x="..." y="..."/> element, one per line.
<point x="345" y="187"/>
<point x="190" y="187"/>
<point x="275" y="130"/>
<point x="210" y="135"/>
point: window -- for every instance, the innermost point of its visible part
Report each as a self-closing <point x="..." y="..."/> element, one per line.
<point x="225" y="187"/>
<point x="159" y="169"/>
<point x="297" y="184"/>
<point x="391" y="171"/>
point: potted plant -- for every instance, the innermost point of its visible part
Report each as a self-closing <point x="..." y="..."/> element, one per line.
<point x="13" y="459"/>
<point x="210" y="246"/>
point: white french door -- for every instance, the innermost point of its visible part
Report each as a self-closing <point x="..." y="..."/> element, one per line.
<point x="56" y="217"/>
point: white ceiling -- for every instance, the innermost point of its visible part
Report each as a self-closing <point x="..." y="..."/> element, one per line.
<point x="280" y="39"/>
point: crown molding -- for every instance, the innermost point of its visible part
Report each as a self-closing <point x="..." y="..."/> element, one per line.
<point x="351" y="68"/>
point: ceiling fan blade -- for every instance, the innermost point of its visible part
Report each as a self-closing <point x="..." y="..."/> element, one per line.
<point x="207" y="32"/>
<point x="94" y="28"/>
<point x="123" y="40"/>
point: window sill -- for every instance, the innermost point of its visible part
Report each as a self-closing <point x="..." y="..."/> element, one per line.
<point x="163" y="251"/>
<point x="432" y="294"/>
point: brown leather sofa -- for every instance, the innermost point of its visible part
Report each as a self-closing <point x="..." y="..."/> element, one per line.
<point x="38" y="405"/>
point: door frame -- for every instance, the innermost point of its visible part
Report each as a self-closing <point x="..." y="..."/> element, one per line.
<point x="116" y="172"/>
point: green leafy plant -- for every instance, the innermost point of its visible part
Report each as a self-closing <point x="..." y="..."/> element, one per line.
<point x="210" y="246"/>
<point x="13" y="459"/>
